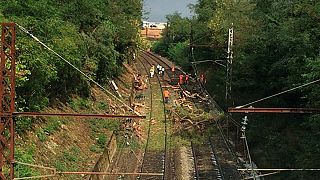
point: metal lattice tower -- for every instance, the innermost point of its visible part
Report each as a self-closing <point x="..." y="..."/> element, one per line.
<point x="229" y="68"/>
<point x="7" y="96"/>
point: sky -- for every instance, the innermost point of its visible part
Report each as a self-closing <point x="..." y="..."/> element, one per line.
<point x="158" y="9"/>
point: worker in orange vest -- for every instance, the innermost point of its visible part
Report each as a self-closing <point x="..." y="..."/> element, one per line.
<point x="173" y="69"/>
<point x="202" y="79"/>
<point x="181" y="79"/>
<point x="166" y="94"/>
<point x="187" y="78"/>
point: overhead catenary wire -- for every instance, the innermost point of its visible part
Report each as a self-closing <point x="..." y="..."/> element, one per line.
<point x="74" y="67"/>
<point x="277" y="94"/>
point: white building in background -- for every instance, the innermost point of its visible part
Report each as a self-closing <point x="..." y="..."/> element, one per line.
<point x="155" y="25"/>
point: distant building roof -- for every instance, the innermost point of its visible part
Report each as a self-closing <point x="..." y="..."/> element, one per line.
<point x="156" y="25"/>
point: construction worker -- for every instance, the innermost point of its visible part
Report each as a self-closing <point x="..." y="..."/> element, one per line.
<point x="166" y="94"/>
<point x="159" y="70"/>
<point x="162" y="71"/>
<point x="187" y="78"/>
<point x="152" y="71"/>
<point x="202" y="79"/>
<point x="181" y="79"/>
<point x="173" y="69"/>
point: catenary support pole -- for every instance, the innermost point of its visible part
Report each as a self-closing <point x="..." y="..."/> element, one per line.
<point x="7" y="97"/>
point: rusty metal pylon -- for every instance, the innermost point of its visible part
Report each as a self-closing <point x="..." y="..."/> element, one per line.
<point x="7" y="97"/>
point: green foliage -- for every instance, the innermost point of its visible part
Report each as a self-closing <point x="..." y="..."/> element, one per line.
<point x="98" y="125"/>
<point x="53" y="125"/>
<point x="102" y="140"/>
<point x="103" y="106"/>
<point x="178" y="31"/>
<point x="94" y="36"/>
<point x="96" y="148"/>
<point x="79" y="104"/>
<point x="26" y="155"/>
<point x="72" y="154"/>
<point x="66" y="160"/>
<point x="41" y="134"/>
<point x="23" y="124"/>
<point x="179" y="53"/>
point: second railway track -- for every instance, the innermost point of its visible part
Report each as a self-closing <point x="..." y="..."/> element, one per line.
<point x="206" y="167"/>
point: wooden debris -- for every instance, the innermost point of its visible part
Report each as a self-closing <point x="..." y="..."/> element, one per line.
<point x="137" y="130"/>
<point x="188" y="117"/>
<point x="139" y="82"/>
<point x="153" y="122"/>
<point x="138" y="105"/>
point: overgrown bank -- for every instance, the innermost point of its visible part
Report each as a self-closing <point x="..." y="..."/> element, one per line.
<point x="71" y="144"/>
<point x="97" y="37"/>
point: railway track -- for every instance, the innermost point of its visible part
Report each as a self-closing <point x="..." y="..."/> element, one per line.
<point x="154" y="158"/>
<point x="206" y="167"/>
<point x="218" y="145"/>
<point x="206" y="155"/>
<point x="164" y="81"/>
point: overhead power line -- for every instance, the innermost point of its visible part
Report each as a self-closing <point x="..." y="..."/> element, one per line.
<point x="277" y="94"/>
<point x="74" y="67"/>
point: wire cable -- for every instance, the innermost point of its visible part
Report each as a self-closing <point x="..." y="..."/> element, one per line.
<point x="277" y="94"/>
<point x="74" y="67"/>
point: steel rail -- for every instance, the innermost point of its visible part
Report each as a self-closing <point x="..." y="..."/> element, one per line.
<point x="216" y="159"/>
<point x="214" y="105"/>
<point x="157" y="59"/>
<point x="164" y="111"/>
<point x="39" y="114"/>
<point x="195" y="160"/>
<point x="150" y="114"/>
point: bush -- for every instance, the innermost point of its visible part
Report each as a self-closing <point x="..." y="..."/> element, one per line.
<point x="179" y="53"/>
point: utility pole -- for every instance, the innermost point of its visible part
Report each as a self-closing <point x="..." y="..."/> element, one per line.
<point x="191" y="48"/>
<point x="228" y="97"/>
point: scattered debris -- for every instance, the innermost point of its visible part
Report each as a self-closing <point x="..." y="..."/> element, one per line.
<point x="139" y="82"/>
<point x="153" y="122"/>
<point x="115" y="87"/>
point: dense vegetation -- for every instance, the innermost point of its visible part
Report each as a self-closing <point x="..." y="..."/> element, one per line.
<point x="276" y="48"/>
<point x="96" y="36"/>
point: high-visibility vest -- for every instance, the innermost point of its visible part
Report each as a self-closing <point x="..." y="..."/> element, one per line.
<point x="181" y="79"/>
<point x="187" y="77"/>
<point x="166" y="93"/>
